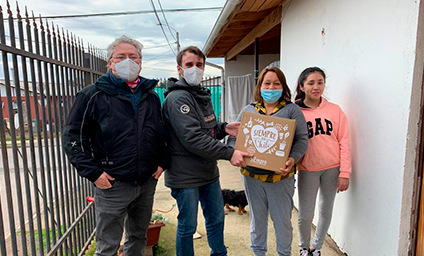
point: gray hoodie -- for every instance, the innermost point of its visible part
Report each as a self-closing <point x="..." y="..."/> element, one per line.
<point x="194" y="136"/>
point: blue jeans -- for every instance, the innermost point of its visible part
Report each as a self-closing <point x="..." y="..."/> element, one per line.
<point x="210" y="197"/>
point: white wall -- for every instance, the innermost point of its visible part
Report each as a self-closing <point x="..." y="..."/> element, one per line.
<point x="244" y="64"/>
<point x="367" y="49"/>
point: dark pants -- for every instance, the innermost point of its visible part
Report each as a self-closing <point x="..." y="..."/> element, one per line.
<point x="128" y="205"/>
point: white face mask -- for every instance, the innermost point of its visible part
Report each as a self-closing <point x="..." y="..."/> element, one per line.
<point x="193" y="75"/>
<point x="127" y="69"/>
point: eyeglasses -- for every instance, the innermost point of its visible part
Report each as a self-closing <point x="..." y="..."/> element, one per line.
<point x="123" y="57"/>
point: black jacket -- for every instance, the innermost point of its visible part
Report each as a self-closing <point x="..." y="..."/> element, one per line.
<point x="103" y="132"/>
<point x="194" y="136"/>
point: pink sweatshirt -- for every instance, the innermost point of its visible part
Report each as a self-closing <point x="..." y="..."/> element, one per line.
<point x="329" y="145"/>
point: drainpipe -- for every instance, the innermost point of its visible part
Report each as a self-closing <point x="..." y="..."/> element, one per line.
<point x="222" y="88"/>
<point x="256" y="59"/>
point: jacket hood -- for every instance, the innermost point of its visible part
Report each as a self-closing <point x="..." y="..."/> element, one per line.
<point x="323" y="102"/>
<point x="106" y="84"/>
<point x="199" y="92"/>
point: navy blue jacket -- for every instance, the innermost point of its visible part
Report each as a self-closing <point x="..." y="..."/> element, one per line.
<point x="108" y="130"/>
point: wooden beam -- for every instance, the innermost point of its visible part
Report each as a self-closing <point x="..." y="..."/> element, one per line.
<point x="272" y="4"/>
<point x="250" y="16"/>
<point x="273" y="19"/>
<point x="256" y="7"/>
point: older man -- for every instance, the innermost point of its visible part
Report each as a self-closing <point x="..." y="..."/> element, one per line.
<point x="115" y="138"/>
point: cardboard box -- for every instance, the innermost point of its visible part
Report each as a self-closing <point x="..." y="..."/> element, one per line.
<point x="268" y="138"/>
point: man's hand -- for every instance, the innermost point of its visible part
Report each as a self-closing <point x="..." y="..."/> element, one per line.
<point x="342" y="184"/>
<point x="289" y="165"/>
<point x="232" y="128"/>
<point x="237" y="158"/>
<point x="158" y="173"/>
<point x="103" y="181"/>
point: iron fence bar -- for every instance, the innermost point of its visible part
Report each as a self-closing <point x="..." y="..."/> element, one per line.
<point x="46" y="168"/>
<point x="70" y="95"/>
<point x="38" y="127"/>
<point x="57" y="169"/>
<point x="50" y="104"/>
<point x="75" y="178"/>
<point x="90" y="57"/>
<point x="48" y="138"/>
<point x="68" y="174"/>
<point x="80" y="74"/>
<point x="66" y="167"/>
<point x="13" y="138"/>
<point x="3" y="148"/>
<point x="59" y="126"/>
<point x="5" y="167"/>
<point x="31" y="138"/>
<point x="66" y="73"/>
<point x="18" y="185"/>
<point x="71" y="174"/>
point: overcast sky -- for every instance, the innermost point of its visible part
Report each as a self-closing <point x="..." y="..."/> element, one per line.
<point x="193" y="27"/>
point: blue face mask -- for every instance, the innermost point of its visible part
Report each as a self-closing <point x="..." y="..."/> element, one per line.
<point x="271" y="96"/>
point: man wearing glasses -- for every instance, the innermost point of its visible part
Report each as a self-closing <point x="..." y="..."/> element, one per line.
<point x="115" y="138"/>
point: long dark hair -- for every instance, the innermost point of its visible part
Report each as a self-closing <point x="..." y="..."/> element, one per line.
<point x="302" y="78"/>
<point x="286" y="90"/>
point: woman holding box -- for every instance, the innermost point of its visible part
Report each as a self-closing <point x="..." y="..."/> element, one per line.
<point x="271" y="192"/>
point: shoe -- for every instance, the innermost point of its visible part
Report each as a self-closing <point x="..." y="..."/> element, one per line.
<point x="315" y="252"/>
<point x="197" y="235"/>
<point x="304" y="252"/>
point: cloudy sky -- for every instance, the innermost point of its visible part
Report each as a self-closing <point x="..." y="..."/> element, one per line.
<point x="158" y="59"/>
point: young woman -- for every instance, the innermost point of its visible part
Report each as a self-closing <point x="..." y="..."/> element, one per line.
<point x="270" y="192"/>
<point x="326" y="165"/>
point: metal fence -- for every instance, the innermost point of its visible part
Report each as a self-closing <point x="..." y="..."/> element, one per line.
<point x="43" y="208"/>
<point x="214" y="84"/>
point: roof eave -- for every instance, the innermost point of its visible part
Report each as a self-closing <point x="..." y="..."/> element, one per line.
<point x="222" y="20"/>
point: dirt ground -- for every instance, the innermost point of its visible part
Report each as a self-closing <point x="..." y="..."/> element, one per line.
<point x="237" y="237"/>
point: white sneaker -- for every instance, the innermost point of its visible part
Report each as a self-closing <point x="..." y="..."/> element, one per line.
<point x="316" y="252"/>
<point x="304" y="252"/>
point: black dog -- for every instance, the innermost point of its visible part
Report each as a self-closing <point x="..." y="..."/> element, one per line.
<point x="235" y="198"/>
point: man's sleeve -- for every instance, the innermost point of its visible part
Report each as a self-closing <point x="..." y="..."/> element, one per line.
<point x="186" y="125"/>
<point x="76" y="141"/>
<point x="221" y="133"/>
<point x="166" y="153"/>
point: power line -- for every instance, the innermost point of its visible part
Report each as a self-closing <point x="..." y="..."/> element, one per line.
<point x="157" y="56"/>
<point x="163" y="14"/>
<point x="161" y="27"/>
<point x="127" y="13"/>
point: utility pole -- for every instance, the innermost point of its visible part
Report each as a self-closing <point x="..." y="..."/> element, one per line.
<point x="178" y="42"/>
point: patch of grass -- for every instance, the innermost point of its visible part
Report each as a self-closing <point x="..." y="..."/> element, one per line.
<point x="166" y="244"/>
<point x="91" y="248"/>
